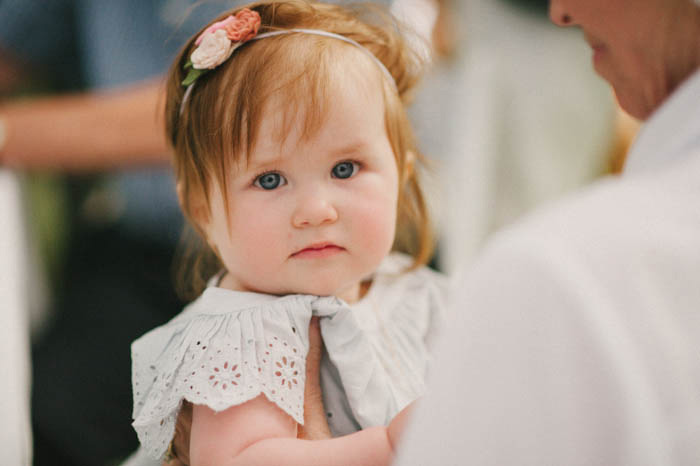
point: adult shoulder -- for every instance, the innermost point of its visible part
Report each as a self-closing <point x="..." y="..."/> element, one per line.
<point x="561" y="334"/>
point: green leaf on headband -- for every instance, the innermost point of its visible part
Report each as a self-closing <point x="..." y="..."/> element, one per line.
<point x="192" y="76"/>
<point x="188" y="64"/>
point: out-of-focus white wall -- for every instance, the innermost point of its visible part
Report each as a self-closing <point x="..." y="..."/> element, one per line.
<point x="420" y="17"/>
<point x="517" y="118"/>
<point x="15" y="298"/>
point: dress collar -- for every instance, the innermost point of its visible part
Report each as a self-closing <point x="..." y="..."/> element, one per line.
<point x="391" y="266"/>
<point x="670" y="132"/>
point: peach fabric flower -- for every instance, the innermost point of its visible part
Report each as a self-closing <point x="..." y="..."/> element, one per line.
<point x="245" y="27"/>
<point x="240" y="28"/>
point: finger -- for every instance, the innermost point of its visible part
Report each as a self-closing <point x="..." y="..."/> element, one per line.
<point x="313" y="358"/>
<point x="315" y="422"/>
<point x="315" y="340"/>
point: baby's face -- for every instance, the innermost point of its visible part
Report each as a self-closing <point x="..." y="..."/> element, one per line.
<point x="313" y="216"/>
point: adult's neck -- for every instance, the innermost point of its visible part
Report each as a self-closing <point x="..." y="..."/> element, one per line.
<point x="683" y="48"/>
<point x="671" y="132"/>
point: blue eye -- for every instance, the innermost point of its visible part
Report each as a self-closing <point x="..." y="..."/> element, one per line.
<point x="269" y="181"/>
<point x="344" y="170"/>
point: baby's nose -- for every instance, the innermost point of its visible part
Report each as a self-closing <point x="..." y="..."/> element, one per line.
<point x="314" y="209"/>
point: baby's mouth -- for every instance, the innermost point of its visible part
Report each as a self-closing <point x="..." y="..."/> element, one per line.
<point x="318" y="250"/>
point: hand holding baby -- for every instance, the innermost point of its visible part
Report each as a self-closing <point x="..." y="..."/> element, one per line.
<point x="315" y="423"/>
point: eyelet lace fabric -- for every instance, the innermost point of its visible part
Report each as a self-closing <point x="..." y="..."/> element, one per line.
<point x="219" y="359"/>
<point x="228" y="347"/>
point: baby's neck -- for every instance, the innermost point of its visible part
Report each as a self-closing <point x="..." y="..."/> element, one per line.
<point x="349" y="295"/>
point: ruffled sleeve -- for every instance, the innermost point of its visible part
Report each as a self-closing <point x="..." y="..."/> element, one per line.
<point x="219" y="356"/>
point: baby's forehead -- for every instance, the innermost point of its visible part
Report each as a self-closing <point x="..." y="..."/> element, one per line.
<point x="320" y="113"/>
<point x="342" y="70"/>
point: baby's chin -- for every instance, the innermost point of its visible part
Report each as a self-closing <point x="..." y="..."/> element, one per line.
<point x="348" y="293"/>
<point x="348" y="290"/>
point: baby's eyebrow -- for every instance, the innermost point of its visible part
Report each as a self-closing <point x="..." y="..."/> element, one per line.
<point x="256" y="165"/>
<point x="352" y="148"/>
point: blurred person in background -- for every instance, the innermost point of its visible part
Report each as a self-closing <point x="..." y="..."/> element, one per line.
<point x="574" y="339"/>
<point x="16" y="296"/>
<point x="104" y="130"/>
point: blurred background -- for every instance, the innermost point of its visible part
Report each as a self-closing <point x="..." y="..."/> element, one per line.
<point x="510" y="113"/>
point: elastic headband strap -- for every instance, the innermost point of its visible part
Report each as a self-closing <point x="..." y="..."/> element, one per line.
<point x="317" y="32"/>
<point x="314" y="32"/>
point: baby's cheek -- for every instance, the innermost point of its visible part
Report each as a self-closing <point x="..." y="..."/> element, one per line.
<point x="258" y="245"/>
<point x="264" y="246"/>
<point x="376" y="229"/>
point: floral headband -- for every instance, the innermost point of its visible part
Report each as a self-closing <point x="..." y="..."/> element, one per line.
<point x="218" y="42"/>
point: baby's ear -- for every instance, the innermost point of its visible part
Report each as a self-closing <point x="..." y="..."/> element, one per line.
<point x="198" y="208"/>
<point x="409" y="165"/>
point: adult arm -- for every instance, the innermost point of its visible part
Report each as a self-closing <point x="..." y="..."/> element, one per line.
<point x="84" y="132"/>
<point x="80" y="132"/>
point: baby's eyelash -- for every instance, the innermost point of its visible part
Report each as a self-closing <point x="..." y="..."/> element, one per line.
<point x="257" y="176"/>
<point x="355" y="161"/>
<point x="269" y="180"/>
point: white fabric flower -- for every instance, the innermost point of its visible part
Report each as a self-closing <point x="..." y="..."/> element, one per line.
<point x="214" y="49"/>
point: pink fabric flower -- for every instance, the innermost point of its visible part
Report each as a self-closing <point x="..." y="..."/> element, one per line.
<point x="240" y="28"/>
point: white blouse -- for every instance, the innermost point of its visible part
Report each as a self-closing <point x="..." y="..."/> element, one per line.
<point x="573" y="339"/>
<point x="228" y="347"/>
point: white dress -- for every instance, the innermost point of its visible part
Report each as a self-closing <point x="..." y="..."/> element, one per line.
<point x="228" y="347"/>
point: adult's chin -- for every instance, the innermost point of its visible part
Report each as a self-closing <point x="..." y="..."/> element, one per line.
<point x="634" y="103"/>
